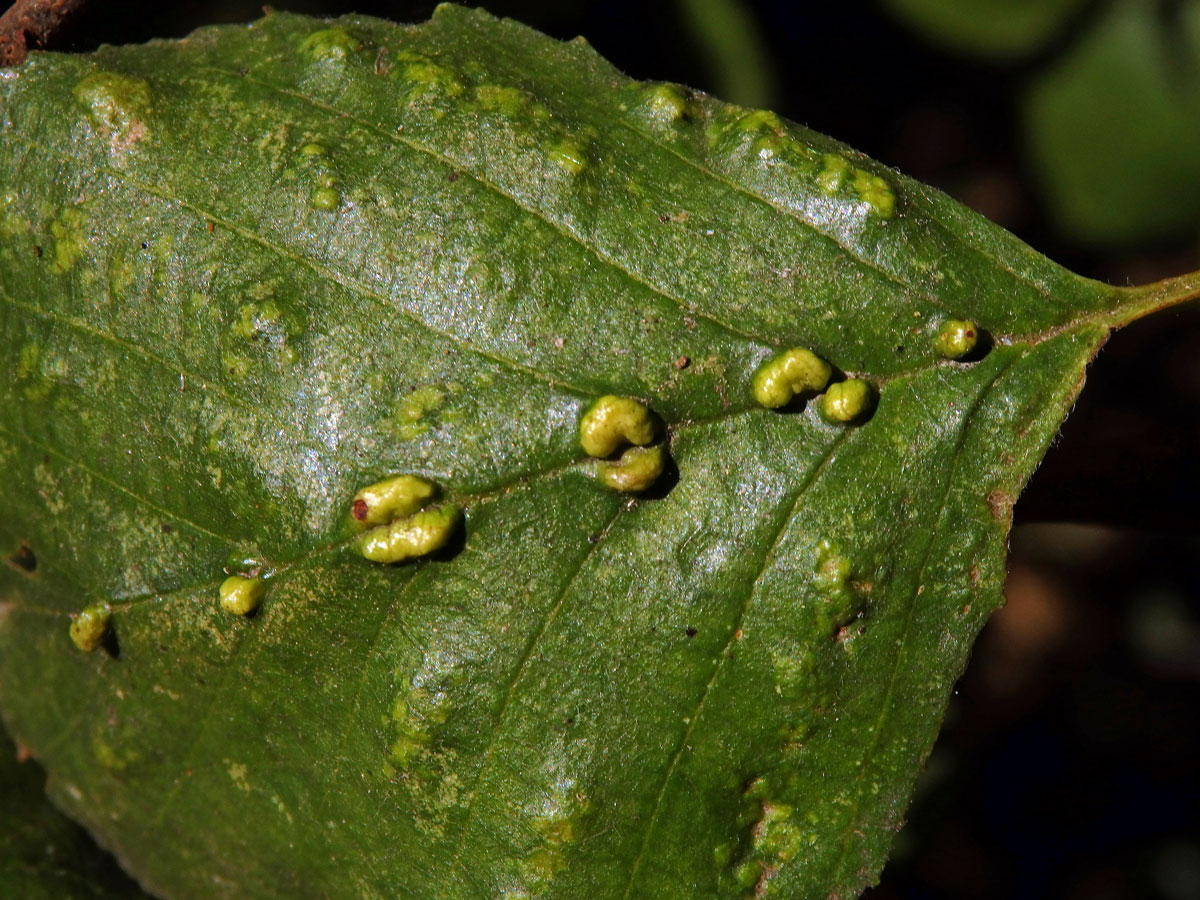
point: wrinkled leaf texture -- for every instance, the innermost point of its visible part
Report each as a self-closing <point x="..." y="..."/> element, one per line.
<point x="246" y="273"/>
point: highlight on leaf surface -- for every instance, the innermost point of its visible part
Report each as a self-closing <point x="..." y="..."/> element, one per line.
<point x="725" y="691"/>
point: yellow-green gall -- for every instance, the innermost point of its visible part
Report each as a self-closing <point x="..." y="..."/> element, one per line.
<point x="90" y="626"/>
<point x="748" y="873"/>
<point x="956" y="338"/>
<point x="241" y="596"/>
<point x="613" y="422"/>
<point x="400" y="495"/>
<point x="501" y="98"/>
<point x="329" y="43"/>
<point x="787" y="374"/>
<point x="666" y="103"/>
<point x="636" y="470"/>
<point x="775" y="834"/>
<point x="413" y="536"/>
<point x="833" y="174"/>
<point x="875" y="192"/>
<point x="759" y="120"/>
<point x="845" y="401"/>
<point x="832" y="574"/>
<point x="425" y="77"/>
<point x="326" y="199"/>
<point x="118" y="104"/>
<point x="569" y="155"/>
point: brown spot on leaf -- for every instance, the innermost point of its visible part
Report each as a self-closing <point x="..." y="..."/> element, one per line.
<point x="381" y="67"/>
<point x="764" y="880"/>
<point x="125" y="140"/>
<point x="1000" y="504"/>
<point x="975" y="573"/>
<point x="682" y="363"/>
<point x="359" y="510"/>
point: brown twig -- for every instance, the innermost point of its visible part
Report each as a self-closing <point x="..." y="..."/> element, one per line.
<point x="31" y="22"/>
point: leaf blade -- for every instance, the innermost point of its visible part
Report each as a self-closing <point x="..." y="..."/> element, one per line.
<point x="591" y="695"/>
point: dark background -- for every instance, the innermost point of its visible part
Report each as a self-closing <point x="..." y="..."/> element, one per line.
<point x="1067" y="767"/>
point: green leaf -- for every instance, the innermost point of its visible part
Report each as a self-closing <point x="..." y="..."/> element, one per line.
<point x="995" y="28"/>
<point x="246" y="275"/>
<point x="1114" y="128"/>
<point x="42" y="853"/>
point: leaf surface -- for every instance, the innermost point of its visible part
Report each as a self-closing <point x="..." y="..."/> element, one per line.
<point x="245" y="274"/>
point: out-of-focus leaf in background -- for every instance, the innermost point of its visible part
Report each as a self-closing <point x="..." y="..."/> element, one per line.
<point x="1110" y="115"/>
<point x="1114" y="127"/>
<point x="999" y="29"/>
<point x="729" y="37"/>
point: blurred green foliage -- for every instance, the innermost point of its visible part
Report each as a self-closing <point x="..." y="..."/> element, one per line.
<point x="1111" y="121"/>
<point x="1113" y="127"/>
<point x="993" y="28"/>
<point x="728" y="36"/>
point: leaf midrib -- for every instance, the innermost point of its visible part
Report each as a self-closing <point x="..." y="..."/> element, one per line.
<point x="469" y="499"/>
